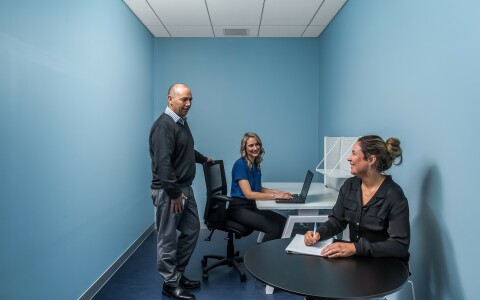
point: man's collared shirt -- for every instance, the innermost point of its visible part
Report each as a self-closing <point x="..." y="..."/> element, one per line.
<point x="174" y="116"/>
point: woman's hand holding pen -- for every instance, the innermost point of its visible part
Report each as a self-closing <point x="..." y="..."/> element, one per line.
<point x="311" y="238"/>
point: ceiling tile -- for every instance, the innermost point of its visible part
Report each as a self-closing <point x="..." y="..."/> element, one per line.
<point x="281" y="31"/>
<point x="209" y="18"/>
<point x="313" y="31"/>
<point x="235" y="12"/>
<point x="143" y="11"/>
<point x="327" y="12"/>
<point x="190" y="31"/>
<point x="181" y="12"/>
<point x="288" y="12"/>
<point x="158" y="31"/>
<point x="252" y="30"/>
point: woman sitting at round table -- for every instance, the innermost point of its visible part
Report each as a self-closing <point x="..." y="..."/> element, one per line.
<point x="371" y="203"/>
<point x="247" y="187"/>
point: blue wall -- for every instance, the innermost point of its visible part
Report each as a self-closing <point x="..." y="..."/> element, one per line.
<point x="77" y="82"/>
<point x="76" y="90"/>
<point x="410" y="69"/>
<point x="269" y="86"/>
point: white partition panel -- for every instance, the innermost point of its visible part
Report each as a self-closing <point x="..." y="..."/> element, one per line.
<point x="336" y="168"/>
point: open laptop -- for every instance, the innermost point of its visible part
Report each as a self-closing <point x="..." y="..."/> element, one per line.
<point x="303" y="195"/>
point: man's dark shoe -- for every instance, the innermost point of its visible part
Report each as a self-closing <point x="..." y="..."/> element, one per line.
<point x="189" y="284"/>
<point x="177" y="293"/>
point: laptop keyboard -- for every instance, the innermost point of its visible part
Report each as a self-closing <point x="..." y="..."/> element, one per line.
<point x="296" y="197"/>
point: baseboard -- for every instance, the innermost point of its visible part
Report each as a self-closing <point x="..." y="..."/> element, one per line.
<point x="100" y="282"/>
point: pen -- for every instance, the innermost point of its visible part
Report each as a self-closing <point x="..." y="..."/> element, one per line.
<point x="314" y="229"/>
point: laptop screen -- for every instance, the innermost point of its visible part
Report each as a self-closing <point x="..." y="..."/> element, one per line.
<point x="306" y="184"/>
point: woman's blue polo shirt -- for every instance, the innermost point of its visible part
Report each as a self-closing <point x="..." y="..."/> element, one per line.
<point x="240" y="171"/>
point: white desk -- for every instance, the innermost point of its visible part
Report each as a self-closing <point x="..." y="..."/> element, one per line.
<point x="319" y="197"/>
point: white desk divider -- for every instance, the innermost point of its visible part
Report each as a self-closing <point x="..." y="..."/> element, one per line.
<point x="336" y="168"/>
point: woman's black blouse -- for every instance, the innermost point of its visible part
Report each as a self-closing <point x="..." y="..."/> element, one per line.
<point x="381" y="228"/>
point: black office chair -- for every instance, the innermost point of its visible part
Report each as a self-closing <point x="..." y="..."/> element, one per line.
<point x="216" y="218"/>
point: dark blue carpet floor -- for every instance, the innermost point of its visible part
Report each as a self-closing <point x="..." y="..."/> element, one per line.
<point x="139" y="279"/>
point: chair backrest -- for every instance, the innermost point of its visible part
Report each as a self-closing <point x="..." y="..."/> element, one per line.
<point x="215" y="211"/>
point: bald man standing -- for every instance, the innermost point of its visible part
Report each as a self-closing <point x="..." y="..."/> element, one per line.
<point x="173" y="168"/>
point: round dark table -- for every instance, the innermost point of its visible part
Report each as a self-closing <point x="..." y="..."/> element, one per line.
<point x="327" y="278"/>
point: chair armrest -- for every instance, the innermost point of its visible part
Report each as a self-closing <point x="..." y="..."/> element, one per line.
<point x="224" y="198"/>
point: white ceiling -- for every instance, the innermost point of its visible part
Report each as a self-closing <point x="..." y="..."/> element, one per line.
<point x="235" y="18"/>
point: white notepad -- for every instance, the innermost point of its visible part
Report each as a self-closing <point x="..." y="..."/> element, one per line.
<point x="297" y="246"/>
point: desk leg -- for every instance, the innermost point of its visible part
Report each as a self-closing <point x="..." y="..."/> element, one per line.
<point x="287" y="230"/>
<point x="346" y="234"/>
<point x="260" y="237"/>
<point x="269" y="289"/>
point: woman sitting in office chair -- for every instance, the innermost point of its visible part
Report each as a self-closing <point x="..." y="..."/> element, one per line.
<point x="371" y="203"/>
<point x="247" y="187"/>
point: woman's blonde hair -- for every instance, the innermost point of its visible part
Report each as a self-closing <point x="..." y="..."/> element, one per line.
<point x="243" y="151"/>
<point x="385" y="152"/>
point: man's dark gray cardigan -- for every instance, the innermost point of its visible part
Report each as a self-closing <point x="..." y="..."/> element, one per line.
<point x="173" y="156"/>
